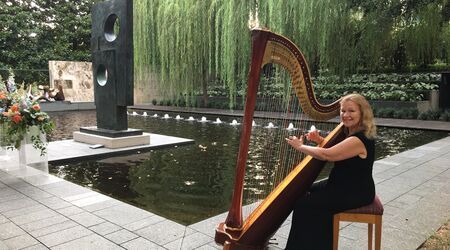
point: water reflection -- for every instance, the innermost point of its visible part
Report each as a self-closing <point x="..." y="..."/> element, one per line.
<point x="193" y="182"/>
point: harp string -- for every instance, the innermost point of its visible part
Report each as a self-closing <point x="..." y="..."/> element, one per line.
<point x="270" y="158"/>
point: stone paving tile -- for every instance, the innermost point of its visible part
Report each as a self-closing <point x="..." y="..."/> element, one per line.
<point x="12" y="197"/>
<point x="64" y="236"/>
<point x="54" y="228"/>
<point x="33" y="216"/>
<point x="192" y="241"/>
<point x="345" y="243"/>
<point x="3" y="246"/>
<point x="72" y="210"/>
<point x="121" y="236"/>
<point x="43" y="223"/>
<point x="41" y="179"/>
<point x="20" y="241"/>
<point x="207" y="226"/>
<point x="210" y="246"/>
<point x="66" y="189"/>
<point x="36" y="247"/>
<point x="397" y="238"/>
<point x="87" y="219"/>
<point x="283" y="231"/>
<point x="7" y="191"/>
<point x="93" y="199"/>
<point x="24" y="210"/>
<point x="10" y="230"/>
<point x="122" y="214"/>
<point x="11" y="181"/>
<point x="353" y="231"/>
<point x="391" y="211"/>
<point x="54" y="185"/>
<point x="24" y="172"/>
<point x="163" y="232"/>
<point x="90" y="242"/>
<point x="406" y="201"/>
<point x="16" y="204"/>
<point x="35" y="193"/>
<point x="141" y="244"/>
<point x="3" y="219"/>
<point x="101" y="205"/>
<point x="144" y="222"/>
<point x="80" y="196"/>
<point x="279" y="243"/>
<point x="105" y="228"/>
<point x="55" y="202"/>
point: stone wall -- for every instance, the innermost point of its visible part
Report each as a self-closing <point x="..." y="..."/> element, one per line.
<point x="146" y="89"/>
<point x="75" y="78"/>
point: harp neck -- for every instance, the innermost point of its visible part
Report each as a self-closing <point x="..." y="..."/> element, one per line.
<point x="280" y="50"/>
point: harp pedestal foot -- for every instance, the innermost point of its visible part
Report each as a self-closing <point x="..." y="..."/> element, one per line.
<point x="225" y="234"/>
<point x="229" y="238"/>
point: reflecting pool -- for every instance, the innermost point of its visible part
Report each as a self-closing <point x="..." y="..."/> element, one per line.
<point x="188" y="183"/>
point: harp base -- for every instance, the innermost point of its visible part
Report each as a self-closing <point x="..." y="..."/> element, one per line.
<point x="229" y="237"/>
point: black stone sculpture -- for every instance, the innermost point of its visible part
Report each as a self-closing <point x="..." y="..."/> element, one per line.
<point x="112" y="65"/>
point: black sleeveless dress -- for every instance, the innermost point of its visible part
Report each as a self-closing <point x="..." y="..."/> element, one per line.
<point x="349" y="185"/>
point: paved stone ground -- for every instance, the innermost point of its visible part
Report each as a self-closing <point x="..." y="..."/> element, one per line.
<point x="40" y="211"/>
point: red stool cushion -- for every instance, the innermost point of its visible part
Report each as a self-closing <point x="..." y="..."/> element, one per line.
<point x="376" y="207"/>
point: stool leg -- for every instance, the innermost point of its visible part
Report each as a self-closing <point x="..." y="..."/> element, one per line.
<point x="336" y="220"/>
<point x="378" y="226"/>
<point x="369" y="235"/>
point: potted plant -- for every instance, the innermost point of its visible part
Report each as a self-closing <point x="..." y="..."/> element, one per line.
<point x="21" y="117"/>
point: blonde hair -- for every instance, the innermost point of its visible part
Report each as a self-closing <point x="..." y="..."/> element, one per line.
<point x="367" y="122"/>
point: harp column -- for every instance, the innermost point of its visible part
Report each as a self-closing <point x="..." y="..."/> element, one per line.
<point x="112" y="65"/>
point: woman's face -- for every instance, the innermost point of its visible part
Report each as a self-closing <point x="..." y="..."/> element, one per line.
<point x="350" y="115"/>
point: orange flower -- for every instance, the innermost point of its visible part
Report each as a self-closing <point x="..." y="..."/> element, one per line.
<point x="15" y="108"/>
<point x="2" y="95"/>
<point x="36" y="107"/>
<point x="17" y="118"/>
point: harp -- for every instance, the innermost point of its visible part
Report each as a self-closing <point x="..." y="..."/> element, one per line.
<point x="256" y="231"/>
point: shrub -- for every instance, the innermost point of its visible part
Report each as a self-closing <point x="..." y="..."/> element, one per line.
<point x="412" y="113"/>
<point x="430" y="115"/>
<point x="400" y="114"/>
<point x="445" y="116"/>
<point x="154" y="102"/>
<point x="385" y="113"/>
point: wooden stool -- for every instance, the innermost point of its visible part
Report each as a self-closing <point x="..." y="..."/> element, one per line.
<point x="370" y="214"/>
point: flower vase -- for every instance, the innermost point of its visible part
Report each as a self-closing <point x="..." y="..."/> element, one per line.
<point x="4" y="156"/>
<point x="30" y="156"/>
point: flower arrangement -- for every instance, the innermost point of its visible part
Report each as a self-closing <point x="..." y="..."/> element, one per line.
<point x="18" y="113"/>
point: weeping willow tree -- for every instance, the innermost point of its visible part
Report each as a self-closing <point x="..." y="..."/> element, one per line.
<point x="189" y="44"/>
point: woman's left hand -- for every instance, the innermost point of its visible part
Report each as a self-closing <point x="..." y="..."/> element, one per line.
<point x="295" y="142"/>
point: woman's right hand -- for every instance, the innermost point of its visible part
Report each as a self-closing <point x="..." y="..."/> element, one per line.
<point x="314" y="136"/>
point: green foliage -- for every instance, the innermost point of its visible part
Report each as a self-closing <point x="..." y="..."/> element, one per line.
<point x="445" y="116"/>
<point x="191" y="44"/>
<point x="430" y="115"/>
<point x="32" y="32"/>
<point x="388" y="87"/>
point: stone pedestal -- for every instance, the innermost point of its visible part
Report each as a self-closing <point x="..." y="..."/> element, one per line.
<point x="112" y="138"/>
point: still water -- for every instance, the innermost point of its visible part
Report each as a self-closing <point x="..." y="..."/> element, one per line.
<point x="187" y="183"/>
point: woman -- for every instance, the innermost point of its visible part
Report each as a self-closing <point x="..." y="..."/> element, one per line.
<point x="350" y="183"/>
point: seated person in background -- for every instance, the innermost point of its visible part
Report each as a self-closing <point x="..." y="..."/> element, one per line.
<point x="46" y="96"/>
<point x="58" y="94"/>
<point x="51" y="95"/>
